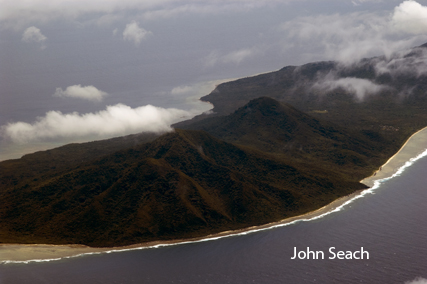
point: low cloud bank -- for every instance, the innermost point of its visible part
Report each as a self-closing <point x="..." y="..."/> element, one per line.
<point x="114" y="121"/>
<point x="356" y="86"/>
<point x="412" y="62"/>
<point x="351" y="37"/>
<point x="77" y="91"/>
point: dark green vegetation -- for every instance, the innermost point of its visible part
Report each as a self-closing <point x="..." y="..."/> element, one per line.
<point x="279" y="144"/>
<point x="184" y="184"/>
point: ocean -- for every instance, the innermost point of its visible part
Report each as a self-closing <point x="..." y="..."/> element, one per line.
<point x="388" y="222"/>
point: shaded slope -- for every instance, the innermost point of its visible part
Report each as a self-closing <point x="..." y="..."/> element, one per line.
<point x="279" y="128"/>
<point x="183" y="184"/>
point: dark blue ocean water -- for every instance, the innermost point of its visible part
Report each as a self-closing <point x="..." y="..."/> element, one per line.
<point x="390" y="224"/>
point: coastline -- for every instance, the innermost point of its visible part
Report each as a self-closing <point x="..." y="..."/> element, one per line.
<point x="414" y="146"/>
<point x="24" y="253"/>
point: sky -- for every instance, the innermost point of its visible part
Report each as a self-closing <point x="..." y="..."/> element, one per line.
<point x="75" y="71"/>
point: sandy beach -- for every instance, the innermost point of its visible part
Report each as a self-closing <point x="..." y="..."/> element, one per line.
<point x="414" y="146"/>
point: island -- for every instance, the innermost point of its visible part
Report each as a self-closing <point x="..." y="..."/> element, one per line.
<point x="275" y="146"/>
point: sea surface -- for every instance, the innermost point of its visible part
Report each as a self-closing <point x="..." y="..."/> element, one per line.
<point x="390" y="224"/>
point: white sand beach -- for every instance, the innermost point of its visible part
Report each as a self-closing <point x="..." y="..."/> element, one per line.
<point x="415" y="145"/>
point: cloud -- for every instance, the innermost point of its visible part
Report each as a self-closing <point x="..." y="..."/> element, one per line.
<point x="33" y="34"/>
<point x="239" y="55"/>
<point x="360" y="2"/>
<point x="411" y="61"/>
<point x="357" y="86"/>
<point x="205" y="8"/>
<point x="107" y="20"/>
<point x="134" y="33"/>
<point x="234" y="57"/>
<point x="189" y="95"/>
<point x="114" y="121"/>
<point x="18" y="13"/>
<point x="353" y="36"/>
<point x="183" y="90"/>
<point x="418" y="280"/>
<point x="77" y="91"/>
<point x="410" y="17"/>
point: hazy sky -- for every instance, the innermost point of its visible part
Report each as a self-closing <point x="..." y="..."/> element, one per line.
<point x="76" y="70"/>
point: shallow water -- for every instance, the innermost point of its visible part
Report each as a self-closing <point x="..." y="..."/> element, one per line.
<point x="390" y="224"/>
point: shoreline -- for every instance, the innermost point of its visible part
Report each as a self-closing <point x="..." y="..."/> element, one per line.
<point x="25" y="253"/>
<point x="407" y="154"/>
<point x="411" y="149"/>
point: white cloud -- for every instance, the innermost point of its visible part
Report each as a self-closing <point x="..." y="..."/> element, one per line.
<point x="418" y="280"/>
<point x="410" y="17"/>
<point x="234" y="57"/>
<point x="115" y="120"/>
<point x="33" y="34"/>
<point x="135" y="33"/>
<point x="77" y="91"/>
<point x="357" y="86"/>
<point x="350" y="37"/>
